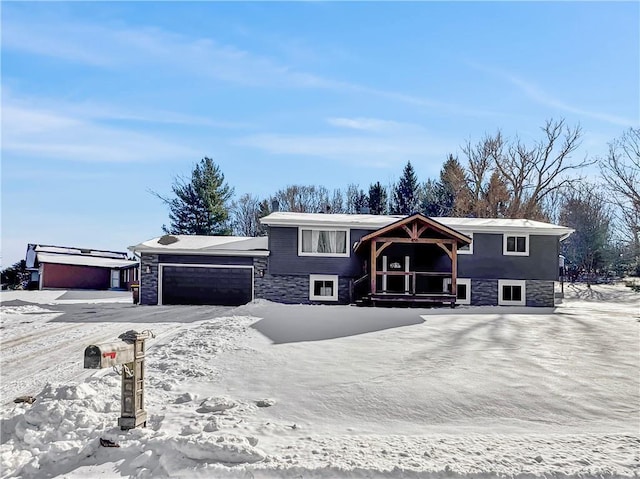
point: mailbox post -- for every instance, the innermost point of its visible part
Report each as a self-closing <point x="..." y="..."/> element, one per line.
<point x="129" y="352"/>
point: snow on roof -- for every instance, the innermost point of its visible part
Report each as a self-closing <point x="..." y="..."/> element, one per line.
<point x="486" y="225"/>
<point x="227" y="245"/>
<point x="80" y="251"/>
<point x="84" y="260"/>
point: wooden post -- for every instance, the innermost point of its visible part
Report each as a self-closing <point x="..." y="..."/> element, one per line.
<point x="454" y="271"/>
<point x="374" y="247"/>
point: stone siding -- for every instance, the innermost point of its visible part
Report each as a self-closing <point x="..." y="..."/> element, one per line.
<point x="484" y="292"/>
<point x="149" y="281"/>
<point x="289" y="288"/>
<point x="540" y="293"/>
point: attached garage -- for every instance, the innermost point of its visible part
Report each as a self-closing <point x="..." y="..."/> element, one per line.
<point x="205" y="284"/>
<point x="200" y="270"/>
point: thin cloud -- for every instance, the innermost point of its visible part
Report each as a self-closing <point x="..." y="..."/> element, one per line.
<point x="537" y="94"/>
<point x="372" y="124"/>
<point x="362" y="150"/>
<point x="144" y="47"/>
<point x="54" y="136"/>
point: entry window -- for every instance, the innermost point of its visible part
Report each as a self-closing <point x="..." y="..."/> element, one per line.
<point x="322" y="242"/>
<point x="323" y="288"/>
<point x="517" y="245"/>
<point x="511" y="292"/>
<point x="463" y="287"/>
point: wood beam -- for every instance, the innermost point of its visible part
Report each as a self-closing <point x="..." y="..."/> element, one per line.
<point x="446" y="250"/>
<point x="418" y="240"/>
<point x="422" y="230"/>
<point x="374" y="245"/>
<point x="414" y="233"/>
<point x="454" y="271"/>
<point x="382" y="248"/>
<point x="404" y="227"/>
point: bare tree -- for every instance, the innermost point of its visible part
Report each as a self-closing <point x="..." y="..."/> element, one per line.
<point x="621" y="173"/>
<point x="245" y="213"/>
<point x="303" y="199"/>
<point x="532" y="173"/>
<point x="481" y="160"/>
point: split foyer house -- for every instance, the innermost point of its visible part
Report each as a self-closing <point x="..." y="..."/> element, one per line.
<point x="359" y="258"/>
<point x="79" y="268"/>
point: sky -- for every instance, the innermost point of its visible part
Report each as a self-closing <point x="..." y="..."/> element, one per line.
<point x="104" y="103"/>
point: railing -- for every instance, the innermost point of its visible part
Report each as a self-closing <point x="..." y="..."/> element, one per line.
<point x="412" y="281"/>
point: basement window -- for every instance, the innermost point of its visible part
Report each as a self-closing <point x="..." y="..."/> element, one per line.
<point x="512" y="292"/>
<point x="323" y="287"/>
<point x="463" y="287"/>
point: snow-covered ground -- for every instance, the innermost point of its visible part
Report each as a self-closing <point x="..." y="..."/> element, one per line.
<point x="269" y="390"/>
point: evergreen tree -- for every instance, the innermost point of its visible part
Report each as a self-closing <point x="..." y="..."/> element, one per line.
<point x="200" y="205"/>
<point x="264" y="209"/>
<point x="496" y="199"/>
<point x="430" y="205"/>
<point x="16" y="276"/>
<point x="377" y="199"/>
<point x="356" y="199"/>
<point x="453" y="189"/>
<point x="586" y="211"/>
<point x="407" y="192"/>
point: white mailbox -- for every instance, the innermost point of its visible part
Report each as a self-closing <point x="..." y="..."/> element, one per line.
<point x="129" y="352"/>
<point x="106" y="355"/>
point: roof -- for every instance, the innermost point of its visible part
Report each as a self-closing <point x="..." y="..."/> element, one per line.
<point x="80" y="251"/>
<point x="84" y="260"/>
<point x="464" y="225"/>
<point x="200" y="244"/>
<point x="424" y="220"/>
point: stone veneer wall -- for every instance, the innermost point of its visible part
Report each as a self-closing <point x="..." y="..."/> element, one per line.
<point x="484" y="292"/>
<point x="149" y="281"/>
<point x="289" y="288"/>
<point x="540" y="293"/>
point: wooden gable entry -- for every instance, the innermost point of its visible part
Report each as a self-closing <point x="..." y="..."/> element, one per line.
<point x="416" y="229"/>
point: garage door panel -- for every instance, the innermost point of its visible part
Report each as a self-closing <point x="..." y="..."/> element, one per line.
<point x="206" y="285"/>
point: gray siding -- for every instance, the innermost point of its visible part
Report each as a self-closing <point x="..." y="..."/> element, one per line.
<point x="488" y="262"/>
<point x="199" y="259"/>
<point x="284" y="259"/>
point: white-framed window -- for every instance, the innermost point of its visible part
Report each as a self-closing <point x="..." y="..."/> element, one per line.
<point x="323" y="242"/>
<point x="515" y="244"/>
<point x="512" y="292"/>
<point x="463" y="286"/>
<point x="323" y="287"/>
<point x="469" y="248"/>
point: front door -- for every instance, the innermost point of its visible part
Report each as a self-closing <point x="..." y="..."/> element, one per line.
<point x="396" y="283"/>
<point x="115" y="278"/>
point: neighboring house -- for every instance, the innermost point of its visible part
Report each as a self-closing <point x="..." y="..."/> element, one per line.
<point x="63" y="267"/>
<point x="364" y="259"/>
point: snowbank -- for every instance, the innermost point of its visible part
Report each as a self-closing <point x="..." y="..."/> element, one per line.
<point x="535" y="394"/>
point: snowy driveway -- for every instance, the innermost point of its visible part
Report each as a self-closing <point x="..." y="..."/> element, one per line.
<point x="44" y="333"/>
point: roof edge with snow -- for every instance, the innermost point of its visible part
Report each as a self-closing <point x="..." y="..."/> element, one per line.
<point x="464" y="225"/>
